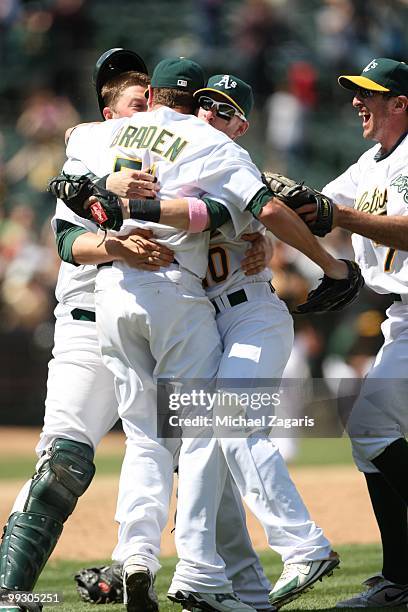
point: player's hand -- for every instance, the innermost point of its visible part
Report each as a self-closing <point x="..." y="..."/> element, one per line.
<point x="132" y="184"/>
<point x="258" y="255"/>
<point x="308" y="212"/>
<point x="139" y="251"/>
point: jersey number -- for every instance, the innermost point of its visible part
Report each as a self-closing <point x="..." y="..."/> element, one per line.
<point x="218" y="267"/>
<point x="389" y="259"/>
<point x="124" y="162"/>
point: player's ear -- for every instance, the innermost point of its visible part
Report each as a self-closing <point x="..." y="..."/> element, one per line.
<point x="107" y="113"/>
<point x="401" y="104"/>
<point x="244" y="125"/>
<point x="150" y="98"/>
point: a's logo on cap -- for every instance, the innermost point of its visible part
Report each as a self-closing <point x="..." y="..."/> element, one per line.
<point x="226" y="82"/>
<point x="182" y="83"/>
<point x="370" y="66"/>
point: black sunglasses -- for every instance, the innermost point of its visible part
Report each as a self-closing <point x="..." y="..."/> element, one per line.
<point x="370" y="93"/>
<point x="222" y="109"/>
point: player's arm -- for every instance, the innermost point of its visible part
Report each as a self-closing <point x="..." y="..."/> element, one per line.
<point x="391" y="231"/>
<point x="190" y="214"/>
<point x="69" y="131"/>
<point x="78" y="246"/>
<point x="288" y="227"/>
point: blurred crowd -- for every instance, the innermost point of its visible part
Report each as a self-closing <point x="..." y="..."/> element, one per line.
<point x="291" y="51"/>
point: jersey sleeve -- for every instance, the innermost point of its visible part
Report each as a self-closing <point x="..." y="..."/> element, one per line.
<point x="229" y="175"/>
<point x="65" y="235"/>
<point x="398" y="186"/>
<point x="88" y="141"/>
<point x="343" y="189"/>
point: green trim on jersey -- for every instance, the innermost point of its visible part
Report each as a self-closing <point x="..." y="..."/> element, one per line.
<point x="259" y="200"/>
<point x="65" y="236"/>
<point x="217" y="212"/>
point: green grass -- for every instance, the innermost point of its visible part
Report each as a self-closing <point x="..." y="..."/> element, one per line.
<point x="324" y="451"/>
<point x="312" y="451"/>
<point x="22" y="466"/>
<point x="358" y="562"/>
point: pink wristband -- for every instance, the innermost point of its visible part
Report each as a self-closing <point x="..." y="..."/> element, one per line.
<point x="198" y="215"/>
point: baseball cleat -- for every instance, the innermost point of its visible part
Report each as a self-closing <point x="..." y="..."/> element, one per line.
<point x="297" y="578"/>
<point x="138" y="591"/>
<point x="209" y="602"/>
<point x="380" y="593"/>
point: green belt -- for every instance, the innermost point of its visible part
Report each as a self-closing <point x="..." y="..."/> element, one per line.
<point x="78" y="314"/>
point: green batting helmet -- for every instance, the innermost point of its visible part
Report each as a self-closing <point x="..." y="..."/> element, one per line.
<point x="112" y="63"/>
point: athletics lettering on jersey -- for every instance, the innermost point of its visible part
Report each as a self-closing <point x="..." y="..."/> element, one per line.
<point x="156" y="139"/>
<point x="401" y="183"/>
<point x="373" y="202"/>
<point x="377" y="186"/>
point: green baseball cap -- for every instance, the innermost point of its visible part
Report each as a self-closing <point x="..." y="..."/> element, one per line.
<point x="381" y="74"/>
<point x="178" y="73"/>
<point x="236" y="91"/>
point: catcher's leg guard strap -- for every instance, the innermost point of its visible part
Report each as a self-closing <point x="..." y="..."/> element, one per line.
<point x="30" y="536"/>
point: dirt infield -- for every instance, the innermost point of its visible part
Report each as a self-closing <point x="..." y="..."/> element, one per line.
<point x="335" y="495"/>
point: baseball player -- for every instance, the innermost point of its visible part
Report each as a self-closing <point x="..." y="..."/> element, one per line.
<point x="77" y="362"/>
<point x="146" y="543"/>
<point x="372" y="197"/>
<point x="80" y="406"/>
<point x="242" y="563"/>
<point x="242" y="323"/>
<point x="166" y="73"/>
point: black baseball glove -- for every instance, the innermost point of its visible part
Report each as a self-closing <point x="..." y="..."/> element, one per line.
<point x="295" y="195"/>
<point x="101" y="585"/>
<point x="334" y="294"/>
<point x="75" y="190"/>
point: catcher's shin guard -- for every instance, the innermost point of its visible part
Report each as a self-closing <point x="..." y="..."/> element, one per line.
<point x="30" y="536"/>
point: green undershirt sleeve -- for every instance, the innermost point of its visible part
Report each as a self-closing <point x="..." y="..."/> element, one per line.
<point x="65" y="237"/>
<point x="217" y="212"/>
<point x="259" y="200"/>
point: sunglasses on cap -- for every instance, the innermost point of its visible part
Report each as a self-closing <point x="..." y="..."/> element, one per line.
<point x="222" y="109"/>
<point x="370" y="93"/>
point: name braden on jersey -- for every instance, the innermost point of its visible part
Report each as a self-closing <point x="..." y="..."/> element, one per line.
<point x="156" y="139"/>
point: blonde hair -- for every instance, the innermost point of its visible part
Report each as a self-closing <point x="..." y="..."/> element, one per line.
<point x="113" y="89"/>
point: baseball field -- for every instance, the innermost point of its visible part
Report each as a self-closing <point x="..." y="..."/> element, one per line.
<point x="333" y="490"/>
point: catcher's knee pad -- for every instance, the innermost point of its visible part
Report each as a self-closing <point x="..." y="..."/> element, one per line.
<point x="30" y="536"/>
<point x="63" y="476"/>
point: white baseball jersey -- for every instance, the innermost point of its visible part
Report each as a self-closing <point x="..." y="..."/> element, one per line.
<point x="75" y="284"/>
<point x="379" y="186"/>
<point x="180" y="150"/>
<point x="225" y="255"/>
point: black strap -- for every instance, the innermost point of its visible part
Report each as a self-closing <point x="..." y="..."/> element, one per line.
<point x="106" y="264"/>
<point x="238" y="297"/>
<point x="396" y="297"/>
<point x="214" y="303"/>
<point x="78" y="314"/>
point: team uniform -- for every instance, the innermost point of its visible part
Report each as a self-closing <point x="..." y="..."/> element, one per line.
<point x="145" y="325"/>
<point x="80" y="408"/>
<point x="257" y="335"/>
<point x="378" y="185"/>
<point x="220" y="168"/>
<point x="75" y="292"/>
